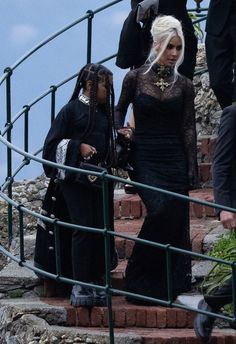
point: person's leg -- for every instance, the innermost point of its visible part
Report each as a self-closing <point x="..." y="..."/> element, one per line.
<point x="219" y="53"/>
<point x="80" y="207"/>
<point x="203" y="323"/>
<point x="146" y="269"/>
<point x="98" y="251"/>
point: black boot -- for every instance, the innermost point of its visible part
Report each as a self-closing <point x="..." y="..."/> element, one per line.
<point x="203" y="324"/>
<point x="81" y="296"/>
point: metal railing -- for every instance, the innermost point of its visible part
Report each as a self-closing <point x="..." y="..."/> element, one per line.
<point x="6" y="139"/>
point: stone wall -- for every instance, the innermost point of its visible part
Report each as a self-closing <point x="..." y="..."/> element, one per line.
<point x="208" y="111"/>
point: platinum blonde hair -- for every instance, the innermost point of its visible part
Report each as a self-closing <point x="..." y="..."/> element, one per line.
<point x="164" y="28"/>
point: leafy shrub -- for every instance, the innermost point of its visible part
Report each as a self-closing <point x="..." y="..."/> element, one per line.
<point x="224" y="249"/>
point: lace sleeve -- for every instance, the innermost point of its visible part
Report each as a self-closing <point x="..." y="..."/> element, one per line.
<point x="126" y="98"/>
<point x="189" y="134"/>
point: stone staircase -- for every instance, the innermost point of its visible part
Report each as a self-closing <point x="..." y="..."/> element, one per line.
<point x="151" y="324"/>
<point x="54" y="320"/>
<point x="132" y="323"/>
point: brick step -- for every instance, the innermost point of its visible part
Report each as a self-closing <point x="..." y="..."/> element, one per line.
<point x="131" y="207"/>
<point x="186" y="336"/>
<point x="118" y="275"/>
<point x="199" y="228"/>
<point x="155" y="325"/>
<point x="125" y="315"/>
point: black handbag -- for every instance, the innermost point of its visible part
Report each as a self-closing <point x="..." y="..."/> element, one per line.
<point x="90" y="180"/>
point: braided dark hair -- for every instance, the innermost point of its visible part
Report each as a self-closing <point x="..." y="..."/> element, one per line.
<point x="97" y="73"/>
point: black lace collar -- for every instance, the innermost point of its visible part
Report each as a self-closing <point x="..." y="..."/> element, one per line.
<point x="162" y="71"/>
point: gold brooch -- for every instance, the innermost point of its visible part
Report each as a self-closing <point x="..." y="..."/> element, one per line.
<point x="162" y="84"/>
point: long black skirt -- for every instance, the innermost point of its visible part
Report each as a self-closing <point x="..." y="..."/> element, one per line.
<point x="146" y="272"/>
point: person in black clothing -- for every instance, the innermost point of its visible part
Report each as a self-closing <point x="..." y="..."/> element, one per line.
<point x="224" y="182"/>
<point x="163" y="154"/>
<point x="136" y="40"/>
<point x="83" y="131"/>
<point x="221" y="49"/>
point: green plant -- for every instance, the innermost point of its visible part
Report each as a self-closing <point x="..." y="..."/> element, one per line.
<point x="197" y="27"/>
<point x="225" y="249"/>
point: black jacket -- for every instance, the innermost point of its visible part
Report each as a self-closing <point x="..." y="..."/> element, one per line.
<point x="175" y="8"/>
<point x="224" y="166"/>
<point x="135" y="41"/>
<point x="218" y="14"/>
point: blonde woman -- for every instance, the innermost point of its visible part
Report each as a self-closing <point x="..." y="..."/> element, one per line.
<point x="164" y="156"/>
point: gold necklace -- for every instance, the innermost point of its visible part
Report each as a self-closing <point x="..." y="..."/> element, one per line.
<point x="162" y="72"/>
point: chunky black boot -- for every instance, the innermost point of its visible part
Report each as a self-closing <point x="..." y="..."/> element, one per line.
<point x="81" y="296"/>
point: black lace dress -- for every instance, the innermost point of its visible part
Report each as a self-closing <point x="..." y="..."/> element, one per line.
<point x="163" y="155"/>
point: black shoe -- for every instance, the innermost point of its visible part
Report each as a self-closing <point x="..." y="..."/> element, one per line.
<point x="203" y="324"/>
<point x="100" y="298"/>
<point x="81" y="296"/>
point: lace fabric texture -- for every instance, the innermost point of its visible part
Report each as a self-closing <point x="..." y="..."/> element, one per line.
<point x="163" y="155"/>
<point x="160" y="113"/>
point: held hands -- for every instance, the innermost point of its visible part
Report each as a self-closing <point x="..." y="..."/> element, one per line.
<point x="228" y="219"/>
<point x="127" y="133"/>
<point x="87" y="151"/>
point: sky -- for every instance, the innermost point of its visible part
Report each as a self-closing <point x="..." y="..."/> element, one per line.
<point x="25" y="23"/>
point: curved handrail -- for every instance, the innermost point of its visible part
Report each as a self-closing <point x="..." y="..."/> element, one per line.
<point x="105" y="176"/>
<point x="44" y="94"/>
<point x="9" y="70"/>
<point x="111" y="177"/>
<point x="53" y="36"/>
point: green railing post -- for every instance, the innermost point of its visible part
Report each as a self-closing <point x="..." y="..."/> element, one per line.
<point x="169" y="275"/>
<point x="8" y="70"/>
<point x="26" y="128"/>
<point x="21" y="230"/>
<point x="106" y="216"/>
<point x="53" y="101"/>
<point x="89" y="35"/>
<point x="198" y="2"/>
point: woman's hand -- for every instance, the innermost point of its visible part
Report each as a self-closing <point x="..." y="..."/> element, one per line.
<point x="87" y="151"/>
<point x="228" y="219"/>
<point x="127" y="133"/>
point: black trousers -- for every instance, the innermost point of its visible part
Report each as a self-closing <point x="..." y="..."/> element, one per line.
<point x="190" y="51"/>
<point x="221" y="297"/>
<point x="221" y="60"/>
<point x="85" y="208"/>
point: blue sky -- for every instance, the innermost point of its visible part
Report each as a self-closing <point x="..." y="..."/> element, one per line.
<point x="23" y="24"/>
